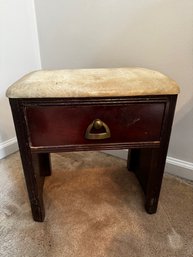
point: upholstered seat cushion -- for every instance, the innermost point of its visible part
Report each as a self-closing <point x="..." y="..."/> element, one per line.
<point x="92" y="83"/>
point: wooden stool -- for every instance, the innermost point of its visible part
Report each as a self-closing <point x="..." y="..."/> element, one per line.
<point x="94" y="109"/>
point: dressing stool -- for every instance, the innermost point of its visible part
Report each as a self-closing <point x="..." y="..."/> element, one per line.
<point x="93" y="109"/>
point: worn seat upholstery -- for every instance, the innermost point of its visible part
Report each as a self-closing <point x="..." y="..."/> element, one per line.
<point x="92" y="83"/>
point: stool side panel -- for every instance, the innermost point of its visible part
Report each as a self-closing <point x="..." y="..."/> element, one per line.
<point x="30" y="163"/>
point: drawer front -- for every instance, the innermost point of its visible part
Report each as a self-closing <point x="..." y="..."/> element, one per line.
<point x="67" y="125"/>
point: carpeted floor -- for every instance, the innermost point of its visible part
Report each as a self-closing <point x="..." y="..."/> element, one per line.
<point x="94" y="208"/>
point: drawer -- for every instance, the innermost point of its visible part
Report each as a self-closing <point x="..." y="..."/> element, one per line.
<point x="73" y="125"/>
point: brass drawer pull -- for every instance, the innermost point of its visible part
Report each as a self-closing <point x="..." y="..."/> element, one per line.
<point x="97" y="124"/>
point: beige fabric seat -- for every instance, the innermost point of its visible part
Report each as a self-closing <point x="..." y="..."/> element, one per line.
<point x="92" y="83"/>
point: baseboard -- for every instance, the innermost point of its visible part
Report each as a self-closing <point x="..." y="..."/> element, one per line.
<point x="173" y="166"/>
<point x="8" y="147"/>
<point x="117" y="153"/>
<point x="179" y="168"/>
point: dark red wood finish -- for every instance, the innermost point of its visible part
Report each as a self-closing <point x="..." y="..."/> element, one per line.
<point x="52" y="125"/>
<point x="142" y="124"/>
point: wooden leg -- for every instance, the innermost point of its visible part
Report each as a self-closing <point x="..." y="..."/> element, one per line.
<point x="148" y="165"/>
<point x="34" y="183"/>
<point x="32" y="163"/>
<point x="44" y="164"/>
<point x="41" y="167"/>
<point x="133" y="159"/>
<point x="156" y="171"/>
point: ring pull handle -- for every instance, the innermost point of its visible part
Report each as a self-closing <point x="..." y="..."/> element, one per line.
<point x="94" y="130"/>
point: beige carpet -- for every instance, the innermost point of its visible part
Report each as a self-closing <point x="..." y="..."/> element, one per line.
<point x="94" y="208"/>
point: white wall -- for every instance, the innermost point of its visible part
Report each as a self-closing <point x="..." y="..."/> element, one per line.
<point x="19" y="54"/>
<point x="112" y="33"/>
